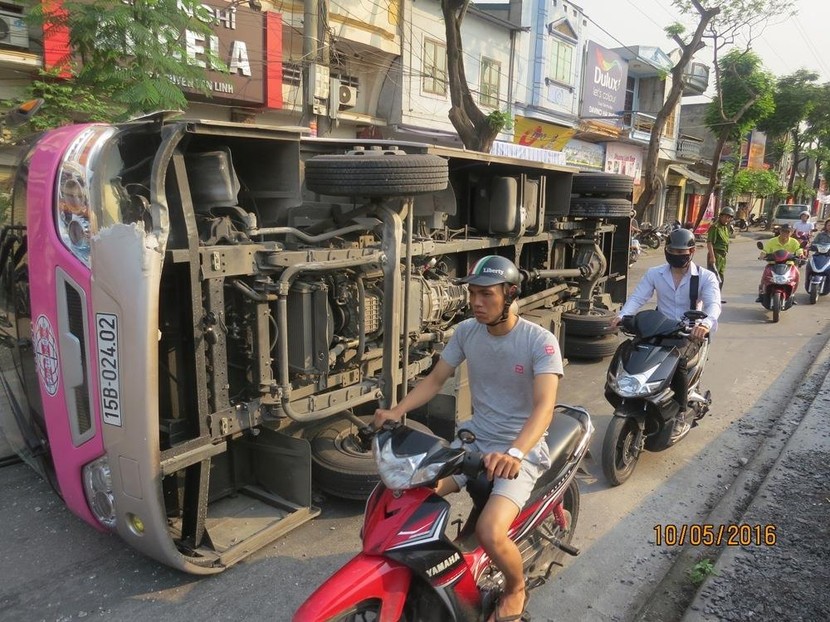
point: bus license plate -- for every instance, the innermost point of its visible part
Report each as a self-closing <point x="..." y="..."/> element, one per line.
<point x="106" y="327"/>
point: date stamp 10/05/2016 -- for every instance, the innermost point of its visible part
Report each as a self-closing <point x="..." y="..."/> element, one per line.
<point x="702" y="534"/>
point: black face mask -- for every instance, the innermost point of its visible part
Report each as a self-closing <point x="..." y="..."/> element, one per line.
<point x="678" y="261"/>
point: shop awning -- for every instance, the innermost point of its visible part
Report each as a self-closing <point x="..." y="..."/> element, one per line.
<point x="684" y="172"/>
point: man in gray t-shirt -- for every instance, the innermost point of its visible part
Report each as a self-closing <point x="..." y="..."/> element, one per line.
<point x="514" y="369"/>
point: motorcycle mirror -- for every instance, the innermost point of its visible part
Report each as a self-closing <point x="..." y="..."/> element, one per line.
<point x="760" y="245"/>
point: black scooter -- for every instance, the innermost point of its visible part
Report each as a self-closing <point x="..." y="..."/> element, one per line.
<point x="641" y="385"/>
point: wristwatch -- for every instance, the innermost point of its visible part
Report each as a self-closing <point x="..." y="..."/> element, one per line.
<point x="516" y="453"/>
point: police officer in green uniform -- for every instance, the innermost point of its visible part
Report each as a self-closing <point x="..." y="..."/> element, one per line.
<point x="717" y="243"/>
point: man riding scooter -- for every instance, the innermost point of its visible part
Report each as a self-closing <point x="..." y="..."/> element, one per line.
<point x="514" y="369"/>
<point x="783" y="241"/>
<point x="674" y="282"/>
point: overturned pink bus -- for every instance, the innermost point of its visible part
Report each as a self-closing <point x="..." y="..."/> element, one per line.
<point x="195" y="316"/>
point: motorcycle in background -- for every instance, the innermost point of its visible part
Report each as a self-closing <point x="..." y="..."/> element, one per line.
<point x="648" y="412"/>
<point x="758" y="221"/>
<point x="817" y="277"/>
<point x="409" y="568"/>
<point x="779" y="281"/>
<point x="650" y="236"/>
<point x="740" y="224"/>
<point x="804" y="241"/>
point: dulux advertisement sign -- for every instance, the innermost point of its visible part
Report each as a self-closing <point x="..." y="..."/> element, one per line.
<point x="603" y="84"/>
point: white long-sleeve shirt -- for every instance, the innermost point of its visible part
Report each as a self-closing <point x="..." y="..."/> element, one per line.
<point x="674" y="302"/>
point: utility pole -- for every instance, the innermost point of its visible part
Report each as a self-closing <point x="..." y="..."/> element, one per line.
<point x="316" y="66"/>
<point x="310" y="50"/>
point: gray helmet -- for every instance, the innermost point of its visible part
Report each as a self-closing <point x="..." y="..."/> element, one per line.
<point x="681" y="239"/>
<point x="492" y="270"/>
<point x="727" y="211"/>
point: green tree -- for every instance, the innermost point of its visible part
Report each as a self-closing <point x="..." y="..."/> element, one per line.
<point x="124" y="58"/>
<point x="795" y="96"/>
<point x="720" y="25"/>
<point x="744" y="97"/>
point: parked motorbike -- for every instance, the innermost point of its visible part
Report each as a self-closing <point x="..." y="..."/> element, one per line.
<point x="758" y="221"/>
<point x="779" y="281"/>
<point x="641" y="385"/>
<point x="740" y="224"/>
<point x="410" y="569"/>
<point x="650" y="236"/>
<point x="817" y="276"/>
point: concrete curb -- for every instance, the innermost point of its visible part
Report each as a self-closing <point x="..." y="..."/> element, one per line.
<point x="744" y="492"/>
<point x="810" y="435"/>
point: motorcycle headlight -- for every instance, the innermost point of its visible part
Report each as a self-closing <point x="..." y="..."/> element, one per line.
<point x="634" y="385"/>
<point x="396" y="472"/>
<point x="98" y="489"/>
<point x="780" y="279"/>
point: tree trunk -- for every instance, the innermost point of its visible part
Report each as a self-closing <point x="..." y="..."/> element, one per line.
<point x="469" y="121"/>
<point x="650" y="171"/>
<point x="713" y="176"/>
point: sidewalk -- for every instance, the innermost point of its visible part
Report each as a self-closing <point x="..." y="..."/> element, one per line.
<point x="786" y="577"/>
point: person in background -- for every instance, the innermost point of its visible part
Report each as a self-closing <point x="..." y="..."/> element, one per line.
<point x="782" y="241"/>
<point x="804" y="225"/>
<point x="717" y="244"/>
<point x="823" y="236"/>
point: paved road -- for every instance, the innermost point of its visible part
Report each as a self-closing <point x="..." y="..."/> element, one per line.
<point x="56" y="568"/>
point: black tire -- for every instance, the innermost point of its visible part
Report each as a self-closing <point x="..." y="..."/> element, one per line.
<point x="619" y="451"/>
<point x="376" y="175"/>
<point x="590" y="347"/>
<point x="602" y="184"/>
<point x="600" y="208"/>
<point x="814" y="295"/>
<point x="593" y="324"/>
<point x="340" y="467"/>
<point x="776" y="304"/>
<point x="652" y="241"/>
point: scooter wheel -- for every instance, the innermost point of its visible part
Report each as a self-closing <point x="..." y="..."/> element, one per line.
<point x="620" y="449"/>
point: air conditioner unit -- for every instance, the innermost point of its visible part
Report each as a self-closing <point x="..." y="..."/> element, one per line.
<point x="13" y="30"/>
<point x="348" y="96"/>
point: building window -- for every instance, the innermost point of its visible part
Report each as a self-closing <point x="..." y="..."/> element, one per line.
<point x="490" y="83"/>
<point x="435" y="67"/>
<point x="561" y="61"/>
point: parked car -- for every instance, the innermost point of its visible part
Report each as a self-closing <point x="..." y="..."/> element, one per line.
<point x="789" y="213"/>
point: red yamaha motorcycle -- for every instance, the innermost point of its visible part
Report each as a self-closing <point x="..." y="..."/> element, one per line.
<point x="410" y="568"/>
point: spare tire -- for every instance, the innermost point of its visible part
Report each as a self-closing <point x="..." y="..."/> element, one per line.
<point x="590" y="347"/>
<point x="370" y="174"/>
<point x="340" y="466"/>
<point x="593" y="324"/>
<point x="602" y="185"/>
<point x="600" y="208"/>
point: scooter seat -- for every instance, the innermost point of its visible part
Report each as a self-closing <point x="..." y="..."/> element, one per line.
<point x="564" y="435"/>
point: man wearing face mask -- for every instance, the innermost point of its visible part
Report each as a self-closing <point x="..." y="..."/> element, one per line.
<point x="680" y="285"/>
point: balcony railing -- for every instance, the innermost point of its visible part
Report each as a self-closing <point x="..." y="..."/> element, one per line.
<point x="688" y="148"/>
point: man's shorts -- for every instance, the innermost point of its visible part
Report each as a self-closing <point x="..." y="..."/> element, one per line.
<point x="518" y="490"/>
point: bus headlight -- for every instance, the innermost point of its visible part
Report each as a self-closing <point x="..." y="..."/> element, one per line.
<point x="98" y="489"/>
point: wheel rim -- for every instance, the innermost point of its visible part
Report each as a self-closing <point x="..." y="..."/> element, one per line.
<point x="348" y="443"/>
<point x="627" y="453"/>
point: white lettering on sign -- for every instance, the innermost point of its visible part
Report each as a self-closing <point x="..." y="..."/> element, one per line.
<point x="239" y="62"/>
<point x="604" y="79"/>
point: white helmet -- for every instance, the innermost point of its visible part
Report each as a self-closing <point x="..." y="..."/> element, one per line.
<point x="804" y="213"/>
